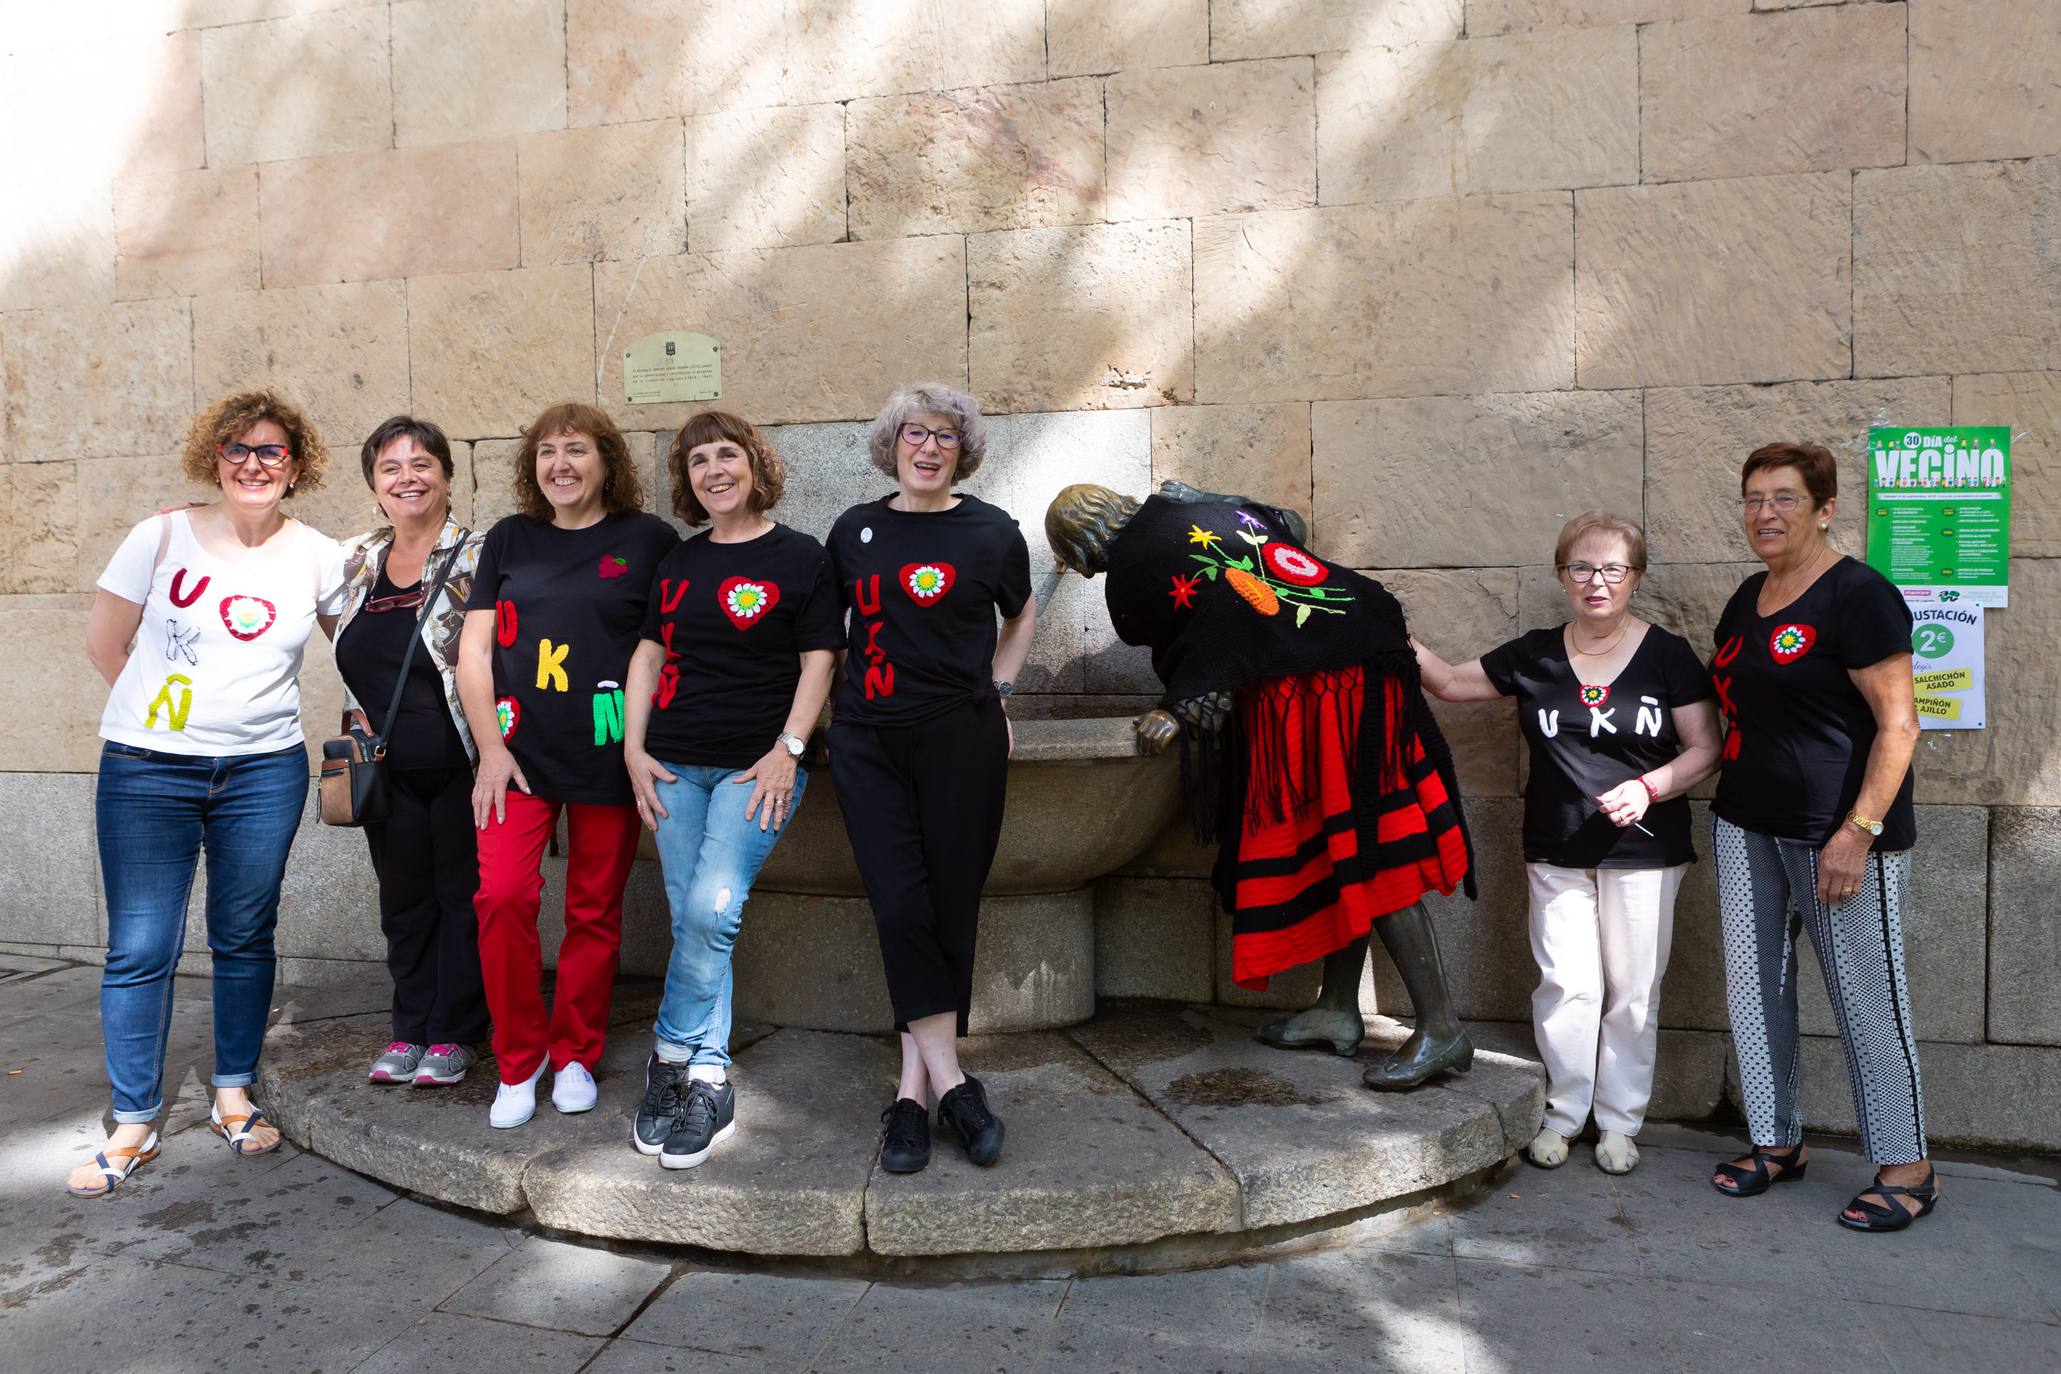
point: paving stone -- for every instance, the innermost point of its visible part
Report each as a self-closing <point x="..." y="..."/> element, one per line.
<point x="1932" y="1340"/>
<point x="894" y="1329"/>
<point x="1033" y="344"/>
<point x="1240" y="29"/>
<point x="789" y="1182"/>
<point x="567" y="1287"/>
<point x="1215" y="139"/>
<point x="1999" y="47"/>
<point x="1530" y="112"/>
<point x="464" y="69"/>
<point x="1660" y="305"/>
<point x="1180" y="1323"/>
<point x="1718" y="97"/>
<point x="399" y="226"/>
<point x="415" y="1256"/>
<point x="1428" y="297"/>
<point x="1559" y="453"/>
<point x="768" y="178"/>
<point x="771" y="1318"/>
<point x="328" y="87"/>
<point x="1321" y="1314"/>
<point x="444" y="1341"/>
<point x="636" y="1357"/>
<point x="1061" y="1108"/>
<point x="1253" y="1108"/>
<point x="1086" y="37"/>
<point x="1000" y="157"/>
<point x="1948" y="294"/>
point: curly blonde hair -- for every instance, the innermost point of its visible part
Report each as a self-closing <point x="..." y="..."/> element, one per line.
<point x="620" y="489"/>
<point x="768" y="478"/>
<point x="232" y="416"/>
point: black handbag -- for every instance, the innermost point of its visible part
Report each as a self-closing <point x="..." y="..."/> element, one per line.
<point x="353" y="789"/>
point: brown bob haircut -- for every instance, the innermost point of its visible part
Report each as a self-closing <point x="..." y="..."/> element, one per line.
<point x="620" y="489"/>
<point x="768" y="478"/>
<point x="1602" y="522"/>
<point x="423" y="432"/>
<point x="233" y="415"/>
<point x="1814" y="463"/>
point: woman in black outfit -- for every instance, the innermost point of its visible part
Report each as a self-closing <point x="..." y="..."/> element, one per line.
<point x="424" y="851"/>
<point x="920" y="744"/>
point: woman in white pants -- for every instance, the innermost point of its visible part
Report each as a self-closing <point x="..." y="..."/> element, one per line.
<point x="1620" y="721"/>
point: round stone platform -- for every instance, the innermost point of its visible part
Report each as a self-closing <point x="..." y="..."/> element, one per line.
<point x="1146" y="1126"/>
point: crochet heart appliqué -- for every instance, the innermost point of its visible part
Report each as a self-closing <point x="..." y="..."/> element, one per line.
<point x="746" y="601"/>
<point x="1790" y="642"/>
<point x="927" y="583"/>
<point x="248" y="616"/>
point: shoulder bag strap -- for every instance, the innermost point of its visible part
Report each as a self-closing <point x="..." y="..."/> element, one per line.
<point x="429" y="605"/>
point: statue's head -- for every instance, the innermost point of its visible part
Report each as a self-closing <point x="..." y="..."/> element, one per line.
<point x="1082" y="522"/>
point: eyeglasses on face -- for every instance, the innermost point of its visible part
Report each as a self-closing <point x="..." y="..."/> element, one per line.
<point x="1612" y="573"/>
<point x="914" y="435"/>
<point x="268" y="455"/>
<point x="1784" y="502"/>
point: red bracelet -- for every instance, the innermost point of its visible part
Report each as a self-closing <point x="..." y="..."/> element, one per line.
<point x="1652" y="792"/>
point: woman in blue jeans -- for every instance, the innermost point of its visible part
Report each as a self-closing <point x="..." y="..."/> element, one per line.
<point x="198" y="627"/>
<point x="735" y="661"/>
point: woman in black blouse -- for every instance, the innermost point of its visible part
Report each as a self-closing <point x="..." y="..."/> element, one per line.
<point x="920" y="744"/>
<point x="549" y="629"/>
<point x="1814" y="816"/>
<point x="1618" y="717"/>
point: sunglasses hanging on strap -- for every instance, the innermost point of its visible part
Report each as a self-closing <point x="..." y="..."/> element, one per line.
<point x="354" y="781"/>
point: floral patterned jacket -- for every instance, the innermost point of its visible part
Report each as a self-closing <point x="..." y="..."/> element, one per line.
<point x="363" y="558"/>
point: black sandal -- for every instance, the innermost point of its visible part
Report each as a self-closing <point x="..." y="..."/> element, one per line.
<point x="1887" y="1215"/>
<point x="1751" y="1180"/>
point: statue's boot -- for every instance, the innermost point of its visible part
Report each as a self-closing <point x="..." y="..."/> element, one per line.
<point x="1438" y="1045"/>
<point x="1334" y="1022"/>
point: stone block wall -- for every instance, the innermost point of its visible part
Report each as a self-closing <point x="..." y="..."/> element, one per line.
<point x="1439" y="272"/>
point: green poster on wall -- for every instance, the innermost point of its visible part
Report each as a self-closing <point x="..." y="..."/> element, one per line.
<point x="1939" y="512"/>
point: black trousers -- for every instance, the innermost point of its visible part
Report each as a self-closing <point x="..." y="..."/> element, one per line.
<point x="428" y="867"/>
<point x="923" y="808"/>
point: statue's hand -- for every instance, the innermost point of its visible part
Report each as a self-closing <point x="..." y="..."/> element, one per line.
<point x="1156" y="730"/>
<point x="1209" y="713"/>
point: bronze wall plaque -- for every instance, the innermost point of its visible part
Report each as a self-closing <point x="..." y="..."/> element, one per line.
<point x="674" y="366"/>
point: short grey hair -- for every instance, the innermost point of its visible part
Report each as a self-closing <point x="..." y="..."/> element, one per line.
<point x="929" y="398"/>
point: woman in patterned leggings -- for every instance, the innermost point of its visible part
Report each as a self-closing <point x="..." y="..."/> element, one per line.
<point x="1814" y="828"/>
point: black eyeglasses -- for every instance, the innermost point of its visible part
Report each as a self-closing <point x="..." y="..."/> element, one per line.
<point x="1612" y="573"/>
<point x="914" y="435"/>
<point x="268" y="455"/>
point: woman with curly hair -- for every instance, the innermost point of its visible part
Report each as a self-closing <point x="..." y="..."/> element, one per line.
<point x="556" y="603"/>
<point x="740" y="640"/>
<point x="198" y="627"/>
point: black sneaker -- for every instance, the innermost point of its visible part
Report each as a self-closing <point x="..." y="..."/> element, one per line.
<point x="707" y="1116"/>
<point x="904" y="1136"/>
<point x="965" y="1110"/>
<point x="665" y="1086"/>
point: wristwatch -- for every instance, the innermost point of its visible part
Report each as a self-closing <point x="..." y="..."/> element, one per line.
<point x="794" y="744"/>
<point x="1874" y="828"/>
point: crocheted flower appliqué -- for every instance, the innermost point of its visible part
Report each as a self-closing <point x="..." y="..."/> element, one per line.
<point x="746" y="601"/>
<point x="927" y="583"/>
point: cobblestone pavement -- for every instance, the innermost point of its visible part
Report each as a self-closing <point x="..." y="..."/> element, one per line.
<point x="289" y="1263"/>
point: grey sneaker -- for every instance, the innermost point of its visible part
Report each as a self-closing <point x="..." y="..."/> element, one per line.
<point x="396" y="1064"/>
<point x="443" y="1066"/>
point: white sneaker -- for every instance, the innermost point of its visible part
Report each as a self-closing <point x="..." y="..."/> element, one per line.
<point x="1616" y="1153"/>
<point x="1548" y="1149"/>
<point x="572" y="1090"/>
<point x="515" y="1103"/>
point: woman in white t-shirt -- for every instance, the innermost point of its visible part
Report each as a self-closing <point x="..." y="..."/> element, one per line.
<point x="198" y="628"/>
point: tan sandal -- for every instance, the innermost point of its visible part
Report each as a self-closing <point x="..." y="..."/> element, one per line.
<point x="130" y="1157"/>
<point x="237" y="1130"/>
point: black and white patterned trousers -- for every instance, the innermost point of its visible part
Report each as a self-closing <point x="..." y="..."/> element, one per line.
<point x="1767" y="889"/>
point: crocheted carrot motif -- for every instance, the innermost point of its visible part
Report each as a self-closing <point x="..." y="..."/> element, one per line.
<point x="1270" y="576"/>
<point x="1257" y="594"/>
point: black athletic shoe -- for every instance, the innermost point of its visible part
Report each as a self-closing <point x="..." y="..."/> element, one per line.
<point x="707" y="1116"/>
<point x="904" y="1137"/>
<point x="665" y="1087"/>
<point x="965" y="1110"/>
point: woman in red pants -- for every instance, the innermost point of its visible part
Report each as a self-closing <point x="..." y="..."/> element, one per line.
<point x="555" y="609"/>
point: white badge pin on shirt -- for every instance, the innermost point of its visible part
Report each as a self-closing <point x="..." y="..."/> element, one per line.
<point x="866" y="535"/>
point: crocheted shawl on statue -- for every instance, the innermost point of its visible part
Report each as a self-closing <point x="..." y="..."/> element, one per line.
<point x="1224" y="599"/>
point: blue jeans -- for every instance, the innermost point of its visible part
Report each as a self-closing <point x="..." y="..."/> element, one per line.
<point x="710" y="854"/>
<point x="155" y="812"/>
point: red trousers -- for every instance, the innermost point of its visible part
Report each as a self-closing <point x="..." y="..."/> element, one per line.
<point x="602" y="843"/>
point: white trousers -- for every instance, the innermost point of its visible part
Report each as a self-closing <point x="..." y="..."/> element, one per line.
<point x="1601" y="938"/>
